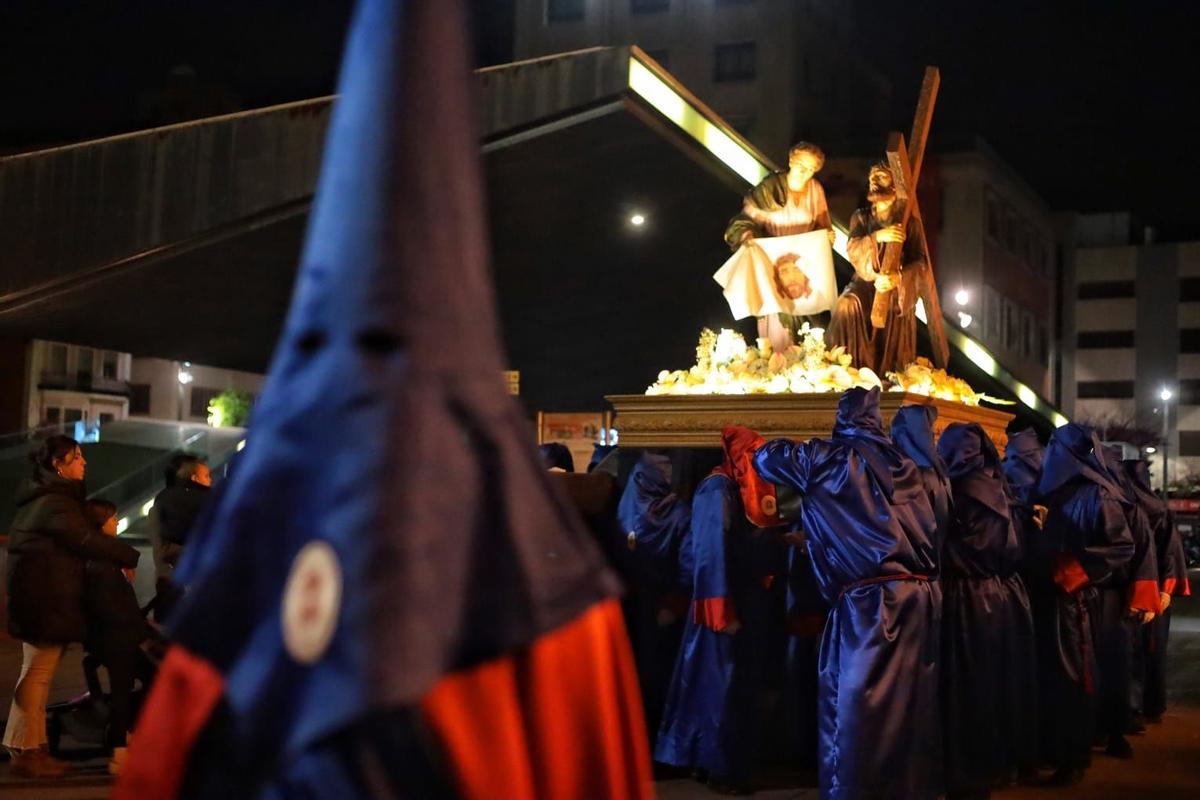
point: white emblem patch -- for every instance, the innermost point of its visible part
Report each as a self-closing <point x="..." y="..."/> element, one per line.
<point x="312" y="598"/>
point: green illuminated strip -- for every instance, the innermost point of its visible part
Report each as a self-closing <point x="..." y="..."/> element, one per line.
<point x="668" y="102"/>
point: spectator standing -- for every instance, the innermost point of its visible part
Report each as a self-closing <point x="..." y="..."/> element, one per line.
<point x="49" y="543"/>
<point x="175" y="511"/>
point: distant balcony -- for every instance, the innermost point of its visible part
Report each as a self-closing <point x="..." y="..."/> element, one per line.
<point x="83" y="382"/>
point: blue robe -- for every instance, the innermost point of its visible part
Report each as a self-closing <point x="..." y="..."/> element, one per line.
<point x="1085" y="540"/>
<point x="1132" y="589"/>
<point x="709" y="721"/>
<point x="807" y="613"/>
<point x="871" y="531"/>
<point x="912" y="431"/>
<point x="1151" y="643"/>
<point x="989" y="668"/>
<point x="656" y="523"/>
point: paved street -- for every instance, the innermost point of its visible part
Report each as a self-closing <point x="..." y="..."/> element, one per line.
<point x="1166" y="765"/>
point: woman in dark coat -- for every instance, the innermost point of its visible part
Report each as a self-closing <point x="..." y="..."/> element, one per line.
<point x="988" y="667"/>
<point x="48" y="545"/>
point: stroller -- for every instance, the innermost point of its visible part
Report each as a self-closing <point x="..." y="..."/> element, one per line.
<point x="85" y="718"/>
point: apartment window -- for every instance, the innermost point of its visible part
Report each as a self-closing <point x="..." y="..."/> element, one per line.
<point x="564" y="10"/>
<point x="201" y="397"/>
<point x="1105" y="290"/>
<point x="1010" y="231"/>
<point x="1012" y="327"/>
<point x="56" y="361"/>
<point x="109" y="366"/>
<point x="993" y="319"/>
<point x="662" y="56"/>
<point x="139" y="398"/>
<point x="72" y="415"/>
<point x="1189" y="443"/>
<point x="1189" y="340"/>
<point x="1104" y="340"/>
<point x="995" y="217"/>
<point x="1105" y="390"/>
<point x="1189" y="392"/>
<point x="85" y="362"/>
<point x="1028" y="345"/>
<point x="648" y="6"/>
<point x="735" y="62"/>
<point x="1189" y="289"/>
<point x="53" y="415"/>
<point x="106" y="417"/>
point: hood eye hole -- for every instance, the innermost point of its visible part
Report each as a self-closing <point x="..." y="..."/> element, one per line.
<point x="378" y="342"/>
<point x="310" y="342"/>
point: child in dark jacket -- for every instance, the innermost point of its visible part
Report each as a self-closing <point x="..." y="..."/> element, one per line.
<point x="116" y="629"/>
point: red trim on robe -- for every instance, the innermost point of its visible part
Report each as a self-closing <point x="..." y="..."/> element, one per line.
<point x="1069" y="574"/>
<point x="186" y="690"/>
<point x="1143" y="596"/>
<point x="758" y="496"/>
<point x="715" y="613"/>
<point x="806" y="625"/>
<point x="1175" y="588"/>
<point x="559" y="718"/>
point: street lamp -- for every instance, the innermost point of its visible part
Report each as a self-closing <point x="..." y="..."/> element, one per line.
<point x="962" y="297"/>
<point x="185" y="377"/>
<point x="1164" y="394"/>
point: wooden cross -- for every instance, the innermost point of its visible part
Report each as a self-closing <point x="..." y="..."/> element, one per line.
<point x="906" y="170"/>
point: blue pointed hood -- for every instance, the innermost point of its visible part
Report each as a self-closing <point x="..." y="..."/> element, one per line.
<point x="1074" y="452"/>
<point x="912" y="431"/>
<point x="859" y="423"/>
<point x="974" y="465"/>
<point x="384" y="433"/>
<point x="1023" y="456"/>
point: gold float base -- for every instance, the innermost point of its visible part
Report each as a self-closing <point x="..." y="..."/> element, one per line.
<point x="697" y="420"/>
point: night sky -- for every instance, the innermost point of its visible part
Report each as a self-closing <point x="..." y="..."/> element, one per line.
<point x="1091" y="102"/>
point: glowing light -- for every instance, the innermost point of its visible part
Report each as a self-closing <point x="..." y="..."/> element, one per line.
<point x="965" y="319"/>
<point x="920" y="311"/>
<point x="241" y="445"/>
<point x="637" y="220"/>
<point x="146" y="508"/>
<point x="1026" y="395"/>
<point x="185" y="377"/>
<point x="1164" y="394"/>
<point x="1151" y="449"/>
<point x="980" y="357"/>
<point x="659" y="94"/>
<point x="962" y="297"/>
<point x="122" y="524"/>
<point x="1059" y="420"/>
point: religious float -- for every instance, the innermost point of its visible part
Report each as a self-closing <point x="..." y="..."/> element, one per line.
<point x="781" y="272"/>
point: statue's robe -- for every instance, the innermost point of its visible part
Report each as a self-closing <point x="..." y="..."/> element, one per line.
<point x="1085" y="541"/>
<point x="710" y="720"/>
<point x="655" y="522"/>
<point x="771" y="209"/>
<point x="989" y="682"/>
<point x="1151" y="642"/>
<point x="894" y="346"/>
<point x="870" y="531"/>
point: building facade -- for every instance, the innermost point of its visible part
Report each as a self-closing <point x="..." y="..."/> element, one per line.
<point x="777" y="70"/>
<point x="157" y="391"/>
<point x="67" y="383"/>
<point x="1131" y="326"/>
